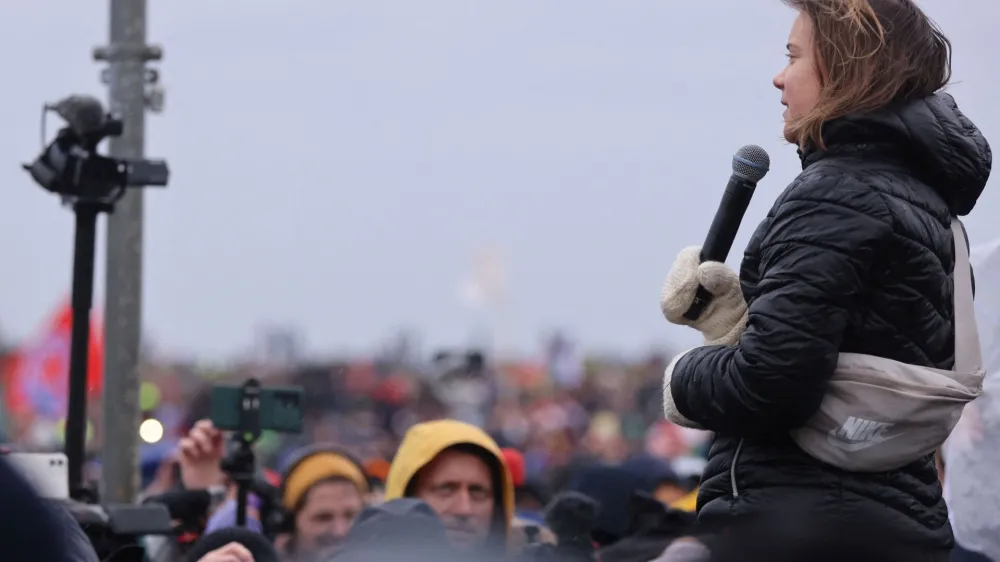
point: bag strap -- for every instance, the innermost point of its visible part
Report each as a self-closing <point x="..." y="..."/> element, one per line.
<point x="968" y="354"/>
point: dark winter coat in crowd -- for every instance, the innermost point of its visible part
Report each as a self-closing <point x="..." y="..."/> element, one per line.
<point x="631" y="525"/>
<point x="855" y="256"/>
<point x="795" y="537"/>
<point x="652" y="527"/>
<point x="570" y="517"/>
<point x="30" y="530"/>
<point x="612" y="488"/>
<point x="401" y="530"/>
<point x="77" y="543"/>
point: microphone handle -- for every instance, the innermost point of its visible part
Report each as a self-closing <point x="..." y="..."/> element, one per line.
<point x="722" y="234"/>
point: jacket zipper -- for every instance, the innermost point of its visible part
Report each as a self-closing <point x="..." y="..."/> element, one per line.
<point x="732" y="471"/>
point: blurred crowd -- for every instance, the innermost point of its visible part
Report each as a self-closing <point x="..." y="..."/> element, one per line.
<point x="447" y="457"/>
<point x="548" y="419"/>
<point x="558" y="410"/>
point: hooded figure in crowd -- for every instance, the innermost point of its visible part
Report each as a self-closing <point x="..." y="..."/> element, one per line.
<point x="461" y="473"/>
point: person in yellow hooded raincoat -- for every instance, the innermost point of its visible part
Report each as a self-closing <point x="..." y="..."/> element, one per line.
<point x="461" y="473"/>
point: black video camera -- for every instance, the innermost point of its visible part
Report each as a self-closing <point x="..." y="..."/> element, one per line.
<point x="70" y="165"/>
<point x="117" y="531"/>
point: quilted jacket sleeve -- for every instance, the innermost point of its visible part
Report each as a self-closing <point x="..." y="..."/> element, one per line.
<point x="824" y="236"/>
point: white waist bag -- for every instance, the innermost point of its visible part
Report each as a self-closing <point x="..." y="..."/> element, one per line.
<point x="879" y="414"/>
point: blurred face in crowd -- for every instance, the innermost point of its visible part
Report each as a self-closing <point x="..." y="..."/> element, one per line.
<point x="327" y="514"/>
<point x="459" y="486"/>
<point x="799" y="81"/>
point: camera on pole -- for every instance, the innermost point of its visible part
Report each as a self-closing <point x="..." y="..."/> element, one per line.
<point x="91" y="183"/>
<point x="71" y="167"/>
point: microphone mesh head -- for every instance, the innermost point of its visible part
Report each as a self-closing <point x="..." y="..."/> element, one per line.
<point x="751" y="162"/>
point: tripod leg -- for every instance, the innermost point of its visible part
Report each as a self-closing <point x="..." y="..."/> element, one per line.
<point x="82" y="301"/>
<point x="241" y="504"/>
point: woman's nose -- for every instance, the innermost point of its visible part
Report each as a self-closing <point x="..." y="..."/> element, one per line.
<point x="779" y="80"/>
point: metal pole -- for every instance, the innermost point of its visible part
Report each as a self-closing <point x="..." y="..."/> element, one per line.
<point x="127" y="55"/>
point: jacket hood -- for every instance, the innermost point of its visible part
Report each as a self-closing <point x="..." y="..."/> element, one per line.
<point x="425" y="441"/>
<point x="933" y="138"/>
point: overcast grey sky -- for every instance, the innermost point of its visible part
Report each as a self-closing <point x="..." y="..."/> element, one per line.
<point x="337" y="165"/>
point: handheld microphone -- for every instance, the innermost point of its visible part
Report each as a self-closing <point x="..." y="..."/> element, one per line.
<point x="750" y="165"/>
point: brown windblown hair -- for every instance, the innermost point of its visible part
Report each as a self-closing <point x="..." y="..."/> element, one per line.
<point x="870" y="54"/>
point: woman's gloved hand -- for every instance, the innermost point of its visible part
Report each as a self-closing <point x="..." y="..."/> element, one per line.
<point x="724" y="319"/>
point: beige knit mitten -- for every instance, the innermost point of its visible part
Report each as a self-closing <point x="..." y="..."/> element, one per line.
<point x="724" y="319"/>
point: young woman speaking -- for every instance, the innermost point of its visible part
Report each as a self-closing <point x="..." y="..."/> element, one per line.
<point x="852" y="279"/>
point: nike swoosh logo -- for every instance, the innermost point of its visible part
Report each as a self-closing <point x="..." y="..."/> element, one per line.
<point x="852" y="447"/>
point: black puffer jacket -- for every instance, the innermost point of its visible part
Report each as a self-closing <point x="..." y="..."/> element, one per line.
<point x="855" y="256"/>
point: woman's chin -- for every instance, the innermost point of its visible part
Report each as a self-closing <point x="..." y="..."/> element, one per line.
<point x="789" y="136"/>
